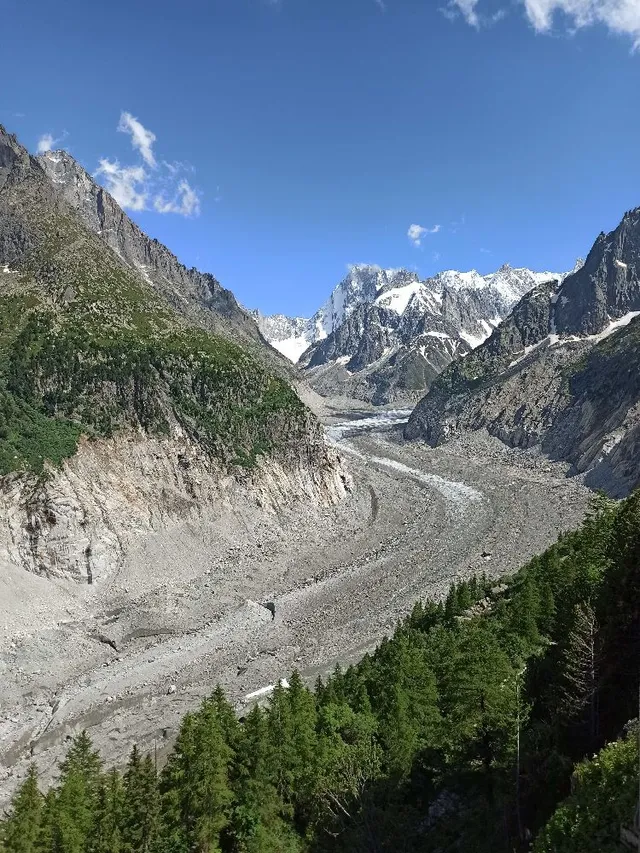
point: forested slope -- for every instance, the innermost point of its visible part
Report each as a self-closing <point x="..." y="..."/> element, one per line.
<point x="413" y="749"/>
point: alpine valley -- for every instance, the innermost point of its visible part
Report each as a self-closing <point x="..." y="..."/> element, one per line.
<point x="310" y="585"/>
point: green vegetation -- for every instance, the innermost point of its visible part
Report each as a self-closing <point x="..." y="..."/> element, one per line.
<point x="87" y="347"/>
<point x="461" y="732"/>
<point x="605" y="796"/>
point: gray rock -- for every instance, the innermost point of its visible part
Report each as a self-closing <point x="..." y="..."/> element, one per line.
<point x="561" y="372"/>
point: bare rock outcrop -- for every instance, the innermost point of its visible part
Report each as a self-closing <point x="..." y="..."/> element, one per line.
<point x="80" y="521"/>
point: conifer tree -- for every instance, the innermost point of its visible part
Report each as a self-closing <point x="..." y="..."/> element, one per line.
<point x="21" y="830"/>
<point x="197" y="794"/>
<point x="107" y="833"/>
<point x="141" y="804"/>
<point x="76" y="803"/>
<point x="258" y="822"/>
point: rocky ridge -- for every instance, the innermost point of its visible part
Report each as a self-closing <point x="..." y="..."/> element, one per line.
<point x="196" y="295"/>
<point x="384" y="335"/>
<point x="560" y="373"/>
<point x="102" y="378"/>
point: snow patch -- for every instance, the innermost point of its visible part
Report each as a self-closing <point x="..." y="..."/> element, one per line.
<point x="620" y="264"/>
<point x="292" y="348"/>
<point x="398" y="298"/>
<point x="265" y="691"/>
<point x="554" y="339"/>
<point x="473" y="340"/>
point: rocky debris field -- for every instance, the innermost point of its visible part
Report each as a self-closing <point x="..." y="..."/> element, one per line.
<point x="305" y="588"/>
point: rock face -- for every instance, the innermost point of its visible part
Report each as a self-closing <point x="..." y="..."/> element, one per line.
<point x="120" y="410"/>
<point x="112" y="493"/>
<point x="384" y="335"/>
<point x="560" y="373"/>
<point x="196" y="295"/>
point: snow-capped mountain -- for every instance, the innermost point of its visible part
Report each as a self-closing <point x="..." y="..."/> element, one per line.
<point x="384" y="334"/>
<point x="293" y="335"/>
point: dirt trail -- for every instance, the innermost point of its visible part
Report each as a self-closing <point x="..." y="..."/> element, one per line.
<point x="127" y="666"/>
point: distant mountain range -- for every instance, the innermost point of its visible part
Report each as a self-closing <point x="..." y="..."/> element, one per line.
<point x="561" y="372"/>
<point x="385" y="334"/>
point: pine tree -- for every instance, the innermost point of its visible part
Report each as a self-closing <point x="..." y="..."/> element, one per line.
<point x="107" y="833"/>
<point x="76" y="803"/>
<point x="141" y="807"/>
<point x="305" y="741"/>
<point x="46" y="836"/>
<point x="197" y="795"/>
<point x="21" y="831"/>
<point x="226" y="717"/>
<point x="258" y="822"/>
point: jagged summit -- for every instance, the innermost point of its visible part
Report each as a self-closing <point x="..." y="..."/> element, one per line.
<point x="385" y="334"/>
<point x="561" y="371"/>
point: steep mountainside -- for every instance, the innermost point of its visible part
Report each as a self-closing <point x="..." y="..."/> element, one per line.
<point x="385" y="335"/>
<point x="90" y="348"/>
<point x="197" y="296"/>
<point x="560" y="372"/>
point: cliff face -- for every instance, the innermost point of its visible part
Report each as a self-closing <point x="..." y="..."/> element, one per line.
<point x="82" y="520"/>
<point x="560" y="372"/>
<point x="118" y="411"/>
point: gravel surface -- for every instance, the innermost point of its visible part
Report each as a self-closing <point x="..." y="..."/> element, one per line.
<point x="308" y="589"/>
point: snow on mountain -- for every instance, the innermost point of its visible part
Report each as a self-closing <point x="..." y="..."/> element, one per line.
<point x="289" y="335"/>
<point x="385" y="334"/>
<point x="293" y="335"/>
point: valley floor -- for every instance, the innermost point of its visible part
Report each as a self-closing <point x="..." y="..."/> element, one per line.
<point x="128" y="659"/>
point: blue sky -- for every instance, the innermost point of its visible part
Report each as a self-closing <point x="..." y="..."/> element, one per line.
<point x="305" y="135"/>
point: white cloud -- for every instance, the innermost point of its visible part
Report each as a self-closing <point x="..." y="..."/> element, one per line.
<point x="162" y="188"/>
<point x="141" y="138"/>
<point x="185" y="201"/>
<point x="468" y="11"/>
<point x="47" y="141"/>
<point x="416" y="233"/>
<point x="381" y="5"/>
<point x="619" y="16"/>
<point x="127" y="184"/>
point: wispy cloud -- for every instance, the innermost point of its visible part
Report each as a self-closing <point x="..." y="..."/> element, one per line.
<point x="458" y="223"/>
<point x="127" y="184"/>
<point x="467" y="9"/>
<point x="185" y="201"/>
<point x="48" y="141"/>
<point x="381" y="5"/>
<point x="485" y="251"/>
<point x="619" y="16"/>
<point x="141" y="138"/>
<point x="416" y="233"/>
<point x="148" y="184"/>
